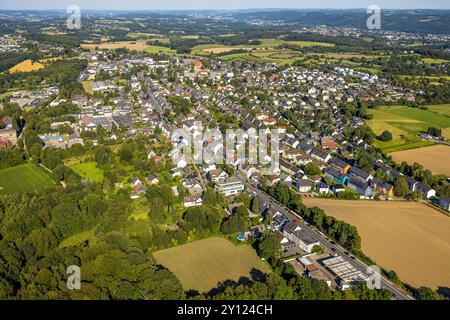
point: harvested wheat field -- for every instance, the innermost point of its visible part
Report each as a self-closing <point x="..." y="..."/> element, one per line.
<point x="435" y="158"/>
<point x="202" y="264"/>
<point x="410" y="238"/>
<point x="130" y="45"/>
<point x="26" y="66"/>
<point x="224" y="49"/>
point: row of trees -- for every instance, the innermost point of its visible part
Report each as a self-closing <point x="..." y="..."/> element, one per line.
<point x="343" y="233"/>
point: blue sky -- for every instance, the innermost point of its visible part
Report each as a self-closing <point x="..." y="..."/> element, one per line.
<point x="218" y="4"/>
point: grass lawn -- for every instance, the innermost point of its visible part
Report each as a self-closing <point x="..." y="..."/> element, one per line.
<point x="5" y="94"/>
<point x="202" y="264"/>
<point x="402" y="145"/>
<point x="78" y="239"/>
<point x="370" y="70"/>
<point x="89" y="171"/>
<point x="443" y="109"/>
<point x="434" y="61"/>
<point x="141" y="208"/>
<point x="159" y="49"/>
<point x="69" y="162"/>
<point x="405" y="124"/>
<point x="339" y="55"/>
<point x="23" y="178"/>
<point x="405" y="76"/>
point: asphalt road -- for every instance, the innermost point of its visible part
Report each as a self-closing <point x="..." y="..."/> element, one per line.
<point x="436" y="140"/>
<point x="399" y="293"/>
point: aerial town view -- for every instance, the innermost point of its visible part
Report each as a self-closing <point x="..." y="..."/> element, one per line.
<point x="208" y="151"/>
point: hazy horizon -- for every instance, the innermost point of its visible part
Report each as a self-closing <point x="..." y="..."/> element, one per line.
<point x="133" y="5"/>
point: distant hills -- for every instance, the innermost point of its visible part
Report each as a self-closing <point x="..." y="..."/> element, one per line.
<point x="411" y="20"/>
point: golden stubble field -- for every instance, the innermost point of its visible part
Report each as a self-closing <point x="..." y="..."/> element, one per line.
<point x="435" y="158"/>
<point x="131" y="45"/>
<point x="225" y="49"/>
<point x="26" y="66"/>
<point x="202" y="264"/>
<point x="410" y="238"/>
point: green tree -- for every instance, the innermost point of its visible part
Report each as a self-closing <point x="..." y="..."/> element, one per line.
<point x="235" y="223"/>
<point x="401" y="188"/>
<point x="385" y="136"/>
<point x="255" y="205"/>
<point x="157" y="212"/>
<point x="311" y="169"/>
<point x="43" y="241"/>
<point x="435" y="132"/>
<point x="269" y="246"/>
<point x="425" y="293"/>
<point x="35" y="152"/>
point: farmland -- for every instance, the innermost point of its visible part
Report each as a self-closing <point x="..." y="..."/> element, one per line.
<point x="26" y="66"/>
<point x="266" y="51"/>
<point x="131" y="45"/>
<point x="408" y="237"/>
<point x="23" y="178"/>
<point x="405" y="124"/>
<point x="220" y="49"/>
<point x="435" y="158"/>
<point x="443" y="109"/>
<point x="267" y="43"/>
<point x="138" y="45"/>
<point x="201" y="265"/>
<point x="159" y="49"/>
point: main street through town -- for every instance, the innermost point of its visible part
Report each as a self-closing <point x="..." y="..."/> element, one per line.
<point x="310" y="231"/>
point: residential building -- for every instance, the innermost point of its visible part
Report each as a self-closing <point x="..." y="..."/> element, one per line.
<point x="382" y="187"/>
<point x="153" y="179"/>
<point x="192" y="201"/>
<point x="217" y="175"/>
<point x="339" y="164"/>
<point x="322" y="188"/>
<point x="230" y="186"/>
<point x="426" y="191"/>
<point x="304" y="185"/>
<point x="336" y="175"/>
<point x="293" y="233"/>
<point x="445" y="203"/>
<point x="320" y="155"/>
<point x="360" y="186"/>
<point x="360" y="174"/>
<point x="279" y="221"/>
<point x="336" y="188"/>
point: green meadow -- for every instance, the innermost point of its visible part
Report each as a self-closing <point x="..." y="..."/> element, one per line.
<point x="23" y="178"/>
<point x="88" y="171"/>
<point x="405" y="124"/>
